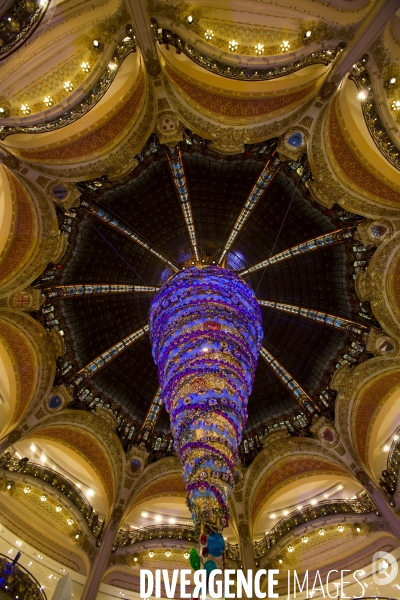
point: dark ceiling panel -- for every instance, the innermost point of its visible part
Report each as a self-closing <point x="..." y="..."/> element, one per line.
<point x="218" y="187"/>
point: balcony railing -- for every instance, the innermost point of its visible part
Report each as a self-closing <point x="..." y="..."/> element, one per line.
<point x="388" y="481"/>
<point x="309" y="513"/>
<point x="19" y="582"/>
<point x="173" y="532"/>
<point x="60" y="483"/>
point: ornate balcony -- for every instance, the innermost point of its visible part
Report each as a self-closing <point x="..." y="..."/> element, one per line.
<point x="60" y="483"/>
<point x="308" y="514"/>
<point x="18" y="582"/>
<point x="153" y="532"/>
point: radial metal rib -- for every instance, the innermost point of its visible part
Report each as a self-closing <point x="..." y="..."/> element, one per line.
<point x="113" y="221"/>
<point x="177" y="169"/>
<point x="151" y="418"/>
<point x="258" y="190"/>
<point x="106" y="357"/>
<point x="290" y="383"/>
<point x="318" y="316"/>
<point x="334" y="237"/>
<point x="95" y="289"/>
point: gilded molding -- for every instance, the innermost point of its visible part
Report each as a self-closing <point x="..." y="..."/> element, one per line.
<point x="347" y="382"/>
<point x="116" y="163"/>
<point x="98" y="427"/>
<point x="231" y="139"/>
<point x="382" y="283"/>
<point x="51" y="244"/>
<point x="326" y="185"/>
<point x="44" y="353"/>
<point x="238" y="107"/>
<point x="96" y="139"/>
<point x="357" y="173"/>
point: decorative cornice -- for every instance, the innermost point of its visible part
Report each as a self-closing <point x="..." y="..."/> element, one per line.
<point x="376" y="127"/>
<point x="117" y="163"/>
<point x="231" y="140"/>
<point x="358" y="174"/>
<point x="326" y="185"/>
<point x="238" y="108"/>
<point x="91" y="98"/>
<point x="97" y="139"/>
<point x="325" y="56"/>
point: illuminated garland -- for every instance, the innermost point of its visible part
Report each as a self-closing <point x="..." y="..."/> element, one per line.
<point x="206" y="332"/>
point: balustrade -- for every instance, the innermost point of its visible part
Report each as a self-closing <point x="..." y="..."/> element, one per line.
<point x="60" y="483"/>
<point x="307" y="514"/>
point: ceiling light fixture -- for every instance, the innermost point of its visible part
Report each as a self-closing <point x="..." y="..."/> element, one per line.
<point x="285" y="46"/>
<point x="259" y="49"/>
<point x="209" y="34"/>
<point x="190" y="20"/>
<point x="25" y="109"/>
<point x="362" y="95"/>
<point x="85" y="67"/>
<point x="68" y="86"/>
<point x="233" y="45"/>
<point x="48" y="101"/>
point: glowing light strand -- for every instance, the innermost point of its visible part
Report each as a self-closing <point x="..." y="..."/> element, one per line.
<point x="334" y="237"/>
<point x="95" y="289"/>
<point x="259" y="189"/>
<point x="206" y="332"/>
<point x="290" y="383"/>
<point x="318" y="316"/>
<point x="177" y="169"/>
<point x="108" y="218"/>
<point x="151" y="418"/>
<point x="106" y="357"/>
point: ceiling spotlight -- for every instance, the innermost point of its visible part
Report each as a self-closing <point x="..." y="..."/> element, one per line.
<point x="25" y="109"/>
<point x="233" y="45"/>
<point x="304" y="539"/>
<point x="27" y="489"/>
<point x="285" y="46"/>
<point x="168" y="553"/>
<point x="43" y="497"/>
<point x="158" y="518"/>
<point x="144" y="514"/>
<point x="58" y="508"/>
<point x="151" y="553"/>
<point x="308" y="34"/>
<point x="96" y="43"/>
<point x="190" y="19"/>
<point x="396" y="105"/>
<point x="209" y="34"/>
<point x="77" y="536"/>
<point x="321" y="531"/>
<point x="362" y="95"/>
<point x="290" y="549"/>
<point x="259" y="49"/>
<point x="340" y="528"/>
<point x="172" y="520"/>
<point x="85" y="67"/>
<point x="392" y="81"/>
<point x="70" y="521"/>
<point x="48" y="101"/>
<point x="186" y="555"/>
<point x="68" y="86"/>
<point x="386" y="448"/>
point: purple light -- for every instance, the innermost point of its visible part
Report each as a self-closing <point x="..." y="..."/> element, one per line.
<point x="206" y="332"/>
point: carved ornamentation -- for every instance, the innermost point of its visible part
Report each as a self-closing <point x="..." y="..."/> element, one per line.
<point x="326" y="185"/>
